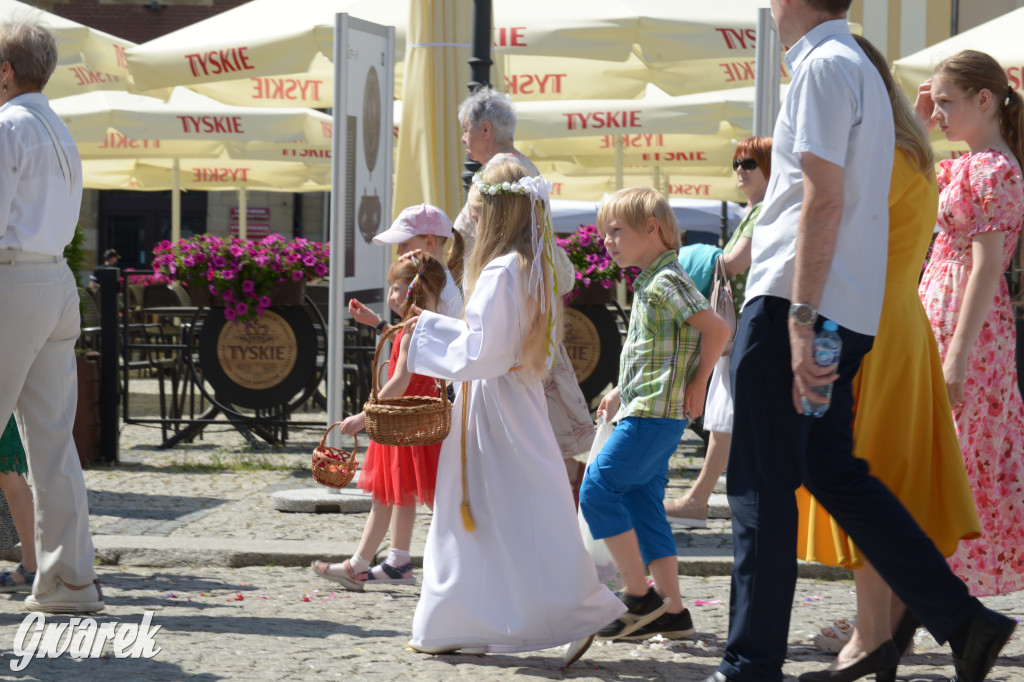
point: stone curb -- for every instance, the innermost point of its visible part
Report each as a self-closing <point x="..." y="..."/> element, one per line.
<point x="132" y="550"/>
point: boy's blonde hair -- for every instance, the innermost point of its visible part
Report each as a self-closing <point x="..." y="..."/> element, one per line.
<point x="506" y="226"/>
<point x="633" y="206"/>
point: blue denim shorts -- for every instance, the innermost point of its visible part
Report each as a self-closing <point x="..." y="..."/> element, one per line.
<point x="624" y="488"/>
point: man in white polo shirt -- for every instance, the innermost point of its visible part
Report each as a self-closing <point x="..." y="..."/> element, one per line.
<point x="819" y="252"/>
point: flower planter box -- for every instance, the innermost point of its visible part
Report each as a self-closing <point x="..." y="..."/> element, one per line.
<point x="86" y="430"/>
<point x="594" y="295"/>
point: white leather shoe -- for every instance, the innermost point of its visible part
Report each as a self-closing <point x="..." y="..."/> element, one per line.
<point x="65" y="600"/>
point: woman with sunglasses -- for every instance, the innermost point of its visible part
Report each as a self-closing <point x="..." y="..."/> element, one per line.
<point x="752" y="162"/>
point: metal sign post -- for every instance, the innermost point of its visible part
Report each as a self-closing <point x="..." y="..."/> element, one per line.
<point x="361" y="183"/>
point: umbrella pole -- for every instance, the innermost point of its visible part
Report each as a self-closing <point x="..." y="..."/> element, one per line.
<point x="767" y="74"/>
<point x="243" y="214"/>
<point x="176" y="200"/>
<point x="618" y="162"/>
<point x="479" y="67"/>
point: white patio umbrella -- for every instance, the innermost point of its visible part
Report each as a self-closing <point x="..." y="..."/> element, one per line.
<point x="209" y="174"/>
<point x="190" y="141"/>
<point x="700" y="114"/>
<point x="87" y="59"/>
<point x="609" y="49"/>
<point x="576" y="142"/>
<point x="999" y="38"/>
<point x="187" y="116"/>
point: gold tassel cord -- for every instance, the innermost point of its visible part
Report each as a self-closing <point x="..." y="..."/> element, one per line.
<point x="467" y="515"/>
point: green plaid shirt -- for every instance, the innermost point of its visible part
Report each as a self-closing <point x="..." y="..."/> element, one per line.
<point x="662" y="351"/>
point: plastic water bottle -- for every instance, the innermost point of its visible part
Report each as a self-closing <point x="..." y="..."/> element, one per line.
<point x="827" y="346"/>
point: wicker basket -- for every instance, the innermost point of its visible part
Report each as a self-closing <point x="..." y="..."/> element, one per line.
<point x="408" y="420"/>
<point x="334" y="467"/>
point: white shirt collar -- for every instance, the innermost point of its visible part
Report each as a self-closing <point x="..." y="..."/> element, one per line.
<point x="27" y="98"/>
<point x="803" y="47"/>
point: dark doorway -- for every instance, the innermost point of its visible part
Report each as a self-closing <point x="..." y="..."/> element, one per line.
<point x="133" y="223"/>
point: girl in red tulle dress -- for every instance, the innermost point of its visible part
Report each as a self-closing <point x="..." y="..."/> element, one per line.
<point x="398" y="477"/>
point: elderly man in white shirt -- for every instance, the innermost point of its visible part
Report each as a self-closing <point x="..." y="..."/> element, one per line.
<point x="40" y="197"/>
<point x="819" y="252"/>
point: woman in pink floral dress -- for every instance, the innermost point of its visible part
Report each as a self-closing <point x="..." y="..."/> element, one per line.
<point x="981" y="206"/>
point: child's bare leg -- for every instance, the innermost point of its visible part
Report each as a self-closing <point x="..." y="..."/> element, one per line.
<point x="19" y="499"/>
<point x="715" y="461"/>
<point x="402" y="520"/>
<point x="665" y="572"/>
<point x="625" y="549"/>
<point x="352" y="572"/>
<point x="373" y="534"/>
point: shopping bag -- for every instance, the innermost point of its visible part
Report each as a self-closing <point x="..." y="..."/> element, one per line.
<point x="607" y="571"/>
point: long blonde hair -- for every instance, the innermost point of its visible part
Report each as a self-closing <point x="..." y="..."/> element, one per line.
<point x="911" y="136"/>
<point x="505" y="226"/>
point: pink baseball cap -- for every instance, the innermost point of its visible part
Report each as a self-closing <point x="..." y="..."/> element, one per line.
<point x="414" y="221"/>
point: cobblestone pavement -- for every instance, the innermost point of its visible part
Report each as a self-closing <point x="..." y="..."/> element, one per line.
<point x="278" y="623"/>
<point x="191" y="534"/>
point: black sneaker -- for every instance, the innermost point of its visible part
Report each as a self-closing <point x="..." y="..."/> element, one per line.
<point x="668" y="625"/>
<point x="640" y="612"/>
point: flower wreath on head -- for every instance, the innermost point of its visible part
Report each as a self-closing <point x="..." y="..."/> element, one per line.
<point x="538" y="189"/>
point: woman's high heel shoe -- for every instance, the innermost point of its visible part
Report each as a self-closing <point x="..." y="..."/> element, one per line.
<point x="902" y="638"/>
<point x="879" y="661"/>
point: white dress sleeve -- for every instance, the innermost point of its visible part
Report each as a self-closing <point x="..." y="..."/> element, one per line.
<point x="483" y="346"/>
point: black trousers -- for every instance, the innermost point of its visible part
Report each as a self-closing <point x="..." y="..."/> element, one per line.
<point x="774" y="450"/>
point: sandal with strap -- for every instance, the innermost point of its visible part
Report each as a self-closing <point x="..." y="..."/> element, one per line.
<point x="392" y="575"/>
<point x="350" y="580"/>
<point x="7" y="583"/>
<point x="835" y="637"/>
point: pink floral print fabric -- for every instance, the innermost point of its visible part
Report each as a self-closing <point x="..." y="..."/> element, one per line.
<point x="980" y="193"/>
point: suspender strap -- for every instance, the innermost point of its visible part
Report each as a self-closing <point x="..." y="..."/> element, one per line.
<point x="65" y="167"/>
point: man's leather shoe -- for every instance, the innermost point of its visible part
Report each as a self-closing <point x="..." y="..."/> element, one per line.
<point x="717" y="677"/>
<point x="987" y="632"/>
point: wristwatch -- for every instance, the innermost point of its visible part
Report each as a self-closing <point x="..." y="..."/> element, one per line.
<point x="380" y="326"/>
<point x="803" y="314"/>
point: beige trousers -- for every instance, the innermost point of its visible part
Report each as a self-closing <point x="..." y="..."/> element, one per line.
<point x="39" y="323"/>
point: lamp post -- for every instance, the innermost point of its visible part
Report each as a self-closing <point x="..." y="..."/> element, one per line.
<point x="480" y="67"/>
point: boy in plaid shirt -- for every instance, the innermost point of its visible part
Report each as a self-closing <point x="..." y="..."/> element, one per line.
<point x="673" y="342"/>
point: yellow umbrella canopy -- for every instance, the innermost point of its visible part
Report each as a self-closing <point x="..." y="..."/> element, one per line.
<point x="429" y="153"/>
<point x="87" y="59"/>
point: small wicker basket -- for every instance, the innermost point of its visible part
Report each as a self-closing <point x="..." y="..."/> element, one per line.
<point x="334" y="467"/>
<point x="408" y="420"/>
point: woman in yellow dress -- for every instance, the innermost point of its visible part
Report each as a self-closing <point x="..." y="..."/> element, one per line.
<point x="903" y="425"/>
